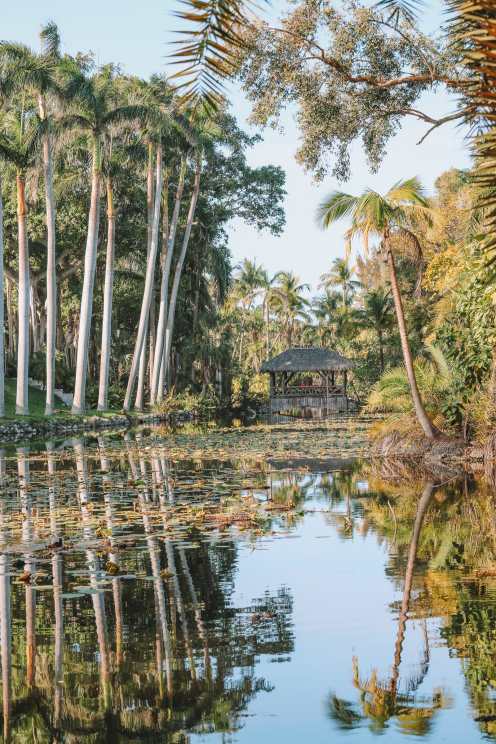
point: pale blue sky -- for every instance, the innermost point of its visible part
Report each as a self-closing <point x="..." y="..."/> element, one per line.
<point x="136" y="36"/>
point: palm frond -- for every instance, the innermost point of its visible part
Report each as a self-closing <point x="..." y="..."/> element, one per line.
<point x="399" y="10"/>
<point x="473" y="29"/>
<point x="408" y="190"/>
<point x="335" y="207"/>
<point x="208" y="49"/>
<point x="124" y="114"/>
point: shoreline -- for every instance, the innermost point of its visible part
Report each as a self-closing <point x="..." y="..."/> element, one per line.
<point x="17" y="430"/>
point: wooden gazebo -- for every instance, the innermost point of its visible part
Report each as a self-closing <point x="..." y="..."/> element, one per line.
<point x="309" y="378"/>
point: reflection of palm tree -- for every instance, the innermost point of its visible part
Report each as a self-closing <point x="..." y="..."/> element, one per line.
<point x="158" y="584"/>
<point x="57" y="589"/>
<point x="381" y="701"/>
<point x="93" y="567"/>
<point x="113" y="566"/>
<point x="29" y="563"/>
<point x="5" y="624"/>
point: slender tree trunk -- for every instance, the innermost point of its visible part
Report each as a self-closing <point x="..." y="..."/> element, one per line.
<point x="179" y="265"/>
<point x="22" y="405"/>
<point x="51" y="278"/>
<point x="150" y="201"/>
<point x="107" y="302"/>
<point x="381" y="349"/>
<point x="2" y="320"/>
<point x="267" y="326"/>
<point x="11" y="348"/>
<point x="428" y="428"/>
<point x="165" y="239"/>
<point x="157" y="389"/>
<point x="79" y="402"/>
<point x="149" y="278"/>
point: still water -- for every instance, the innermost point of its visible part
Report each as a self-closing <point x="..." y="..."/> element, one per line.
<point x="233" y="588"/>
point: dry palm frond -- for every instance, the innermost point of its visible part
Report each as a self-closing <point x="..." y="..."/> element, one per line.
<point x="474" y="27"/>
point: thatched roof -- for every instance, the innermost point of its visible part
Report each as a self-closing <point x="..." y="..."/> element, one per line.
<point x="307" y="359"/>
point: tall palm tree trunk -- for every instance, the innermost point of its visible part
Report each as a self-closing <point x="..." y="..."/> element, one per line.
<point x="164" y="288"/>
<point x="149" y="278"/>
<point x="51" y="278"/>
<point x="79" y="402"/>
<point x="107" y="302"/>
<point x="179" y="266"/>
<point x="150" y="201"/>
<point x="2" y="336"/>
<point x="22" y="406"/>
<point x="428" y="428"/>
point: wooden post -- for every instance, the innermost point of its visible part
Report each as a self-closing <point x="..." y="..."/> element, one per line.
<point x="345" y="382"/>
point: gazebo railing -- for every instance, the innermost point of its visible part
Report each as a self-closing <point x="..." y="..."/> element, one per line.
<point x="320" y="391"/>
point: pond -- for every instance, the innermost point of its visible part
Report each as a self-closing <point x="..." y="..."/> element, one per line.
<point x="247" y="585"/>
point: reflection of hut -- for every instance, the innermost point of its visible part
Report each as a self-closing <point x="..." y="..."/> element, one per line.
<point x="309" y="380"/>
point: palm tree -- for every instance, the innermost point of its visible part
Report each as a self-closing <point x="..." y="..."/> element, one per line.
<point x="383" y="217"/>
<point x="118" y="154"/>
<point x="376" y="315"/>
<point x="340" y="276"/>
<point x="204" y="131"/>
<point x="252" y="281"/>
<point x="29" y="70"/>
<point x="96" y="111"/>
<point x="149" y="279"/>
<point x="180" y="261"/>
<point x="19" y="145"/>
<point x="168" y="250"/>
<point x="325" y="309"/>
<point x="289" y="301"/>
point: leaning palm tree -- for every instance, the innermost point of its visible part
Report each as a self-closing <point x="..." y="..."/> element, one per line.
<point x="204" y="131"/>
<point x="37" y="72"/>
<point x="95" y="103"/>
<point x="382" y="217"/>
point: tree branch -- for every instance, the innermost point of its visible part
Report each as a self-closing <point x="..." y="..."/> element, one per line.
<point x="375" y="82"/>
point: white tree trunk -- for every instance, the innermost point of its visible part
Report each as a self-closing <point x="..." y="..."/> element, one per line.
<point x="2" y="336"/>
<point x="149" y="278"/>
<point x="156" y="391"/>
<point x="22" y="406"/>
<point x="150" y="201"/>
<point x="107" y="303"/>
<point x="179" y="267"/>
<point x="79" y="402"/>
<point x="51" y="277"/>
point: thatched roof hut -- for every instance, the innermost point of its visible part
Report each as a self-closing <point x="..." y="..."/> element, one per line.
<point x="307" y="359"/>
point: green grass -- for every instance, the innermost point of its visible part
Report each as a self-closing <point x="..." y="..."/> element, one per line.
<point x="36" y="402"/>
<point x="37" y="405"/>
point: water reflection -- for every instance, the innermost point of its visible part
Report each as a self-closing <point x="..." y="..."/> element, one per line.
<point x="382" y="700"/>
<point x="127" y="633"/>
<point x="121" y="615"/>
